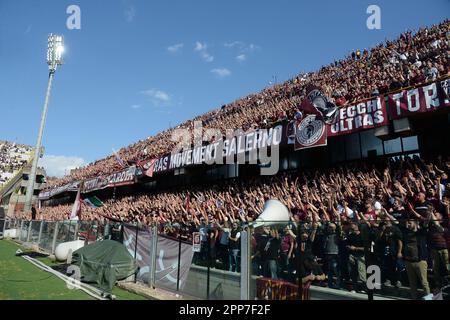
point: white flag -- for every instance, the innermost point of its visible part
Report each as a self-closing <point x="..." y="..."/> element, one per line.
<point x="76" y="208"/>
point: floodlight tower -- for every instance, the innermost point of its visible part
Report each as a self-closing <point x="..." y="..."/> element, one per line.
<point x="55" y="50"/>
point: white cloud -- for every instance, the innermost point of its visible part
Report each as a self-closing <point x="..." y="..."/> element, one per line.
<point x="234" y="44"/>
<point x="175" y="48"/>
<point x="221" y="72"/>
<point x="201" y="48"/>
<point x="252" y="47"/>
<point x="242" y="49"/>
<point x="207" y="57"/>
<point x="157" y="97"/>
<point x="58" y="166"/>
<point x="136" y="106"/>
<point x="242" y="57"/>
<point x="130" y="14"/>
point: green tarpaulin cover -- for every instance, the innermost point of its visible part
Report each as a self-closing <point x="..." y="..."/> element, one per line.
<point x="103" y="263"/>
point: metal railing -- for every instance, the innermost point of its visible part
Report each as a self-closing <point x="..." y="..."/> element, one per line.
<point x="274" y="263"/>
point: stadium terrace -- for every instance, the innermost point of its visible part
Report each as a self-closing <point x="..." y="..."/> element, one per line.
<point x="371" y="188"/>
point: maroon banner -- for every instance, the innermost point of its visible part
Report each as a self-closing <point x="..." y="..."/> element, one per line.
<point x="428" y="98"/>
<point x="148" y="167"/>
<point x="314" y="98"/>
<point x="317" y="103"/>
<point x="362" y="116"/>
<point x="310" y="133"/>
<point x="122" y="178"/>
<point x="117" y="179"/>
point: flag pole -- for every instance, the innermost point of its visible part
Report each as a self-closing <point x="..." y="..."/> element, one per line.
<point x="81" y="201"/>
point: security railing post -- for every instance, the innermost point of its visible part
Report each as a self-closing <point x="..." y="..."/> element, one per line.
<point x="135" y="250"/>
<point x="97" y="226"/>
<point x="208" y="271"/>
<point x="40" y="232"/>
<point x="367" y="262"/>
<point x="88" y="232"/>
<point x="21" y="228"/>
<point x="55" y="234"/>
<point x="179" y="261"/>
<point x="68" y="232"/>
<point x="75" y="238"/>
<point x="29" y="231"/>
<point x="245" y="264"/>
<point x="153" y="257"/>
<point x="299" y="260"/>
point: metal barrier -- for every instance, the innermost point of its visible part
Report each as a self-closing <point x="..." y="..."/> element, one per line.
<point x="167" y="260"/>
<point x="276" y="262"/>
<point x="283" y="261"/>
<point x="46" y="238"/>
<point x="47" y="235"/>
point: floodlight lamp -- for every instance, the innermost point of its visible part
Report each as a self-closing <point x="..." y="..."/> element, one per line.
<point x="55" y="50"/>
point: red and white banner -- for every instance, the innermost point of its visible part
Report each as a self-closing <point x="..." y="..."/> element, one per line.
<point x="428" y="98"/>
<point x="362" y="116"/>
<point x="310" y="133"/>
<point x="148" y="167"/>
<point x="167" y="257"/>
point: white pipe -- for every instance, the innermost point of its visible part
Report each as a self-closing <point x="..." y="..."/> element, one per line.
<point x="66" y="278"/>
<point x="74" y="282"/>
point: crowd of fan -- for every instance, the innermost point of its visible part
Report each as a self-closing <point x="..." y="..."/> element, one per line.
<point x="396" y="213"/>
<point x="12" y="158"/>
<point x="401" y="205"/>
<point x="411" y="59"/>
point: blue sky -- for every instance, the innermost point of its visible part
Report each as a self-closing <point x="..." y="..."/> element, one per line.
<point x="137" y="67"/>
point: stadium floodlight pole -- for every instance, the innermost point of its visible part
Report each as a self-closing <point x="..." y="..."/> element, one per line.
<point x="55" y="51"/>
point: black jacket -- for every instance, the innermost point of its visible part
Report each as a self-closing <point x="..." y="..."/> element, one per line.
<point x="415" y="245"/>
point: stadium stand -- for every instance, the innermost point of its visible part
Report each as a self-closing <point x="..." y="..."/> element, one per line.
<point x="12" y="158"/>
<point x="411" y="59"/>
<point x="390" y="199"/>
<point x="399" y="203"/>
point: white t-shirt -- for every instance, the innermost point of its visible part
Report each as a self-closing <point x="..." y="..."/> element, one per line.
<point x="418" y="63"/>
<point x="377" y="205"/>
<point x="349" y="213"/>
<point x="442" y="190"/>
<point x="436" y="43"/>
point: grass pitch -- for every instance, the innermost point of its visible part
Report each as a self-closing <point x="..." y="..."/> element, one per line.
<point x="21" y="280"/>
